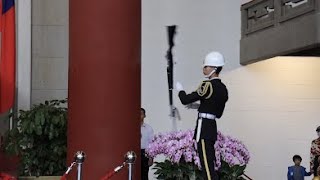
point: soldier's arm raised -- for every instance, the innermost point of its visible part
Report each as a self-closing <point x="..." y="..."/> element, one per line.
<point x="205" y="91"/>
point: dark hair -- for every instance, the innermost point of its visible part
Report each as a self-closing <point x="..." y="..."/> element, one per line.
<point x="144" y="111"/>
<point x="318" y="129"/>
<point x="296" y="157"/>
<point x="218" y="69"/>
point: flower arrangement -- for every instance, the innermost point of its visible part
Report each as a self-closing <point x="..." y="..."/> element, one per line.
<point x="182" y="161"/>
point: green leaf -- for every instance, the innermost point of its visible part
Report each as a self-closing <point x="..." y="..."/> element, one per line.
<point x="56" y="119"/>
<point x="39" y="130"/>
<point x="230" y="173"/>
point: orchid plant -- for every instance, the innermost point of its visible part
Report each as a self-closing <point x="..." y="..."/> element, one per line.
<point x="182" y="161"/>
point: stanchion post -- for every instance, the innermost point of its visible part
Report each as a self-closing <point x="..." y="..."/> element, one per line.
<point x="130" y="159"/>
<point x="79" y="159"/>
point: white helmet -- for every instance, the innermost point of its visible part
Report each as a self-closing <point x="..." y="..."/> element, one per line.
<point x="214" y="59"/>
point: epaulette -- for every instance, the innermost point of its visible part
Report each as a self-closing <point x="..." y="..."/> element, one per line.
<point x="205" y="89"/>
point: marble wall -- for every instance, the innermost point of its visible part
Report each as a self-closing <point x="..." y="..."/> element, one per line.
<point x="49" y="49"/>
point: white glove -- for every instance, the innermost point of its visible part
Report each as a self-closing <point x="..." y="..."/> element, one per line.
<point x="179" y="87"/>
<point x="193" y="106"/>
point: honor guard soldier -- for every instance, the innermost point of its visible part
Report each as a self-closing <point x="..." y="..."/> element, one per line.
<point x="213" y="95"/>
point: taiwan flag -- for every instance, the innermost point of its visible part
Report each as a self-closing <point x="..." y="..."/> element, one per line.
<point x="8" y="55"/>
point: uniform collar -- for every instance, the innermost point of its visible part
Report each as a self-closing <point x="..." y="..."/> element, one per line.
<point x="214" y="78"/>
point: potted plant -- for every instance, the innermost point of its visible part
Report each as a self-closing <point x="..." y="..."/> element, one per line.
<point x="40" y="140"/>
<point x="182" y="161"/>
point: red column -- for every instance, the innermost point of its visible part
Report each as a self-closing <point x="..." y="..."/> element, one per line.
<point x="104" y="84"/>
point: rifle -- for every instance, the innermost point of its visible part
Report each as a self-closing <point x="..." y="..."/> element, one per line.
<point x="173" y="110"/>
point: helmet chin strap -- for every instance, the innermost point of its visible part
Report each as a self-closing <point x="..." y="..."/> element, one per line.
<point x="209" y="75"/>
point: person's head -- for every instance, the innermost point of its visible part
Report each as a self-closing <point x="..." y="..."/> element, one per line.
<point x="297" y="160"/>
<point x="318" y="131"/>
<point x="142" y="114"/>
<point x="213" y="64"/>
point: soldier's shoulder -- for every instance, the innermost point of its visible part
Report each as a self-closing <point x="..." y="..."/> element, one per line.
<point x="205" y="89"/>
<point x="205" y="83"/>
